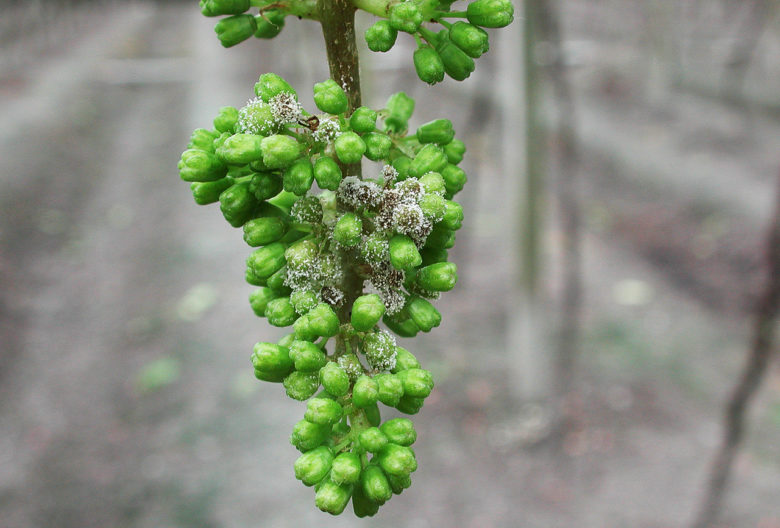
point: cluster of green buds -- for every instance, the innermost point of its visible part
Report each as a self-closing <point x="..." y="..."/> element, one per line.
<point x="451" y="50"/>
<point x="336" y="257"/>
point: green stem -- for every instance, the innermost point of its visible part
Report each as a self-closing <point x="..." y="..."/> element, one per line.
<point x="428" y="35"/>
<point x="380" y="8"/>
<point x="299" y="8"/>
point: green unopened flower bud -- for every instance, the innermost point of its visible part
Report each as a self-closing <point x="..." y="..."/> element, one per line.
<point x="428" y="64"/>
<point x="303" y="332"/>
<point x="240" y="149"/>
<point x="433" y="255"/>
<point x="454" y="151"/>
<point x="406" y="16"/>
<point x="206" y="193"/>
<point x="381" y="36"/>
<point x="363" y="120"/>
<point x="226" y="119"/>
<point x="471" y="39"/>
<point x="323" y="321"/>
<point x="303" y="301"/>
<point x="331" y="497"/>
<point x="346" y="469"/>
<point x="270" y="85"/>
<point x="439" y="131"/>
<point x="279" y="151"/>
<point x="372" y="439"/>
<point x="390" y="389"/>
<point x="399" y="431"/>
<point x="237" y="204"/>
<point x="270" y="357"/>
<point x="375" y="485"/>
<point x="269" y="376"/>
<point x="334" y="379"/>
<point x="400" y="108"/>
<point x="201" y="166"/>
<point x="403" y="253"/>
<point x="377" y="146"/>
<point x="312" y="466"/>
<point x="280" y="312"/>
<point x="330" y="97"/>
<point x="367" y="311"/>
<point x="299" y="176"/>
<point x="433" y="206"/>
<point x="362" y="505"/>
<point x="433" y="183"/>
<point x="276" y="282"/>
<point x="401" y="324"/>
<point x="399" y="483"/>
<point x="379" y="349"/>
<point x="259" y="299"/>
<point x="457" y="64"/>
<point x="327" y="173"/>
<point x="440" y="238"/>
<point x="430" y="158"/>
<point x="235" y="29"/>
<point x="267" y="260"/>
<point x="348" y="230"/>
<point x="323" y="411"/>
<point x="491" y="13"/>
<point x="439" y="277"/>
<point x="418" y="383"/>
<point x="265" y="185"/>
<point x="351" y="365"/>
<point x="453" y="215"/>
<point x="212" y="8"/>
<point x="269" y="24"/>
<point x="349" y="147"/>
<point x="454" y="178"/>
<point x="423" y="313"/>
<point x="286" y="341"/>
<point x="397" y="460"/>
<point x="401" y="164"/>
<point x="203" y="139"/>
<point x="307" y="436"/>
<point x="410" y="404"/>
<point x="221" y="139"/>
<point x="262" y="231"/>
<point x="308" y="357"/>
<point x="301" y="254"/>
<point x="365" y="392"/>
<point x="404" y="360"/>
<point x="301" y="385"/>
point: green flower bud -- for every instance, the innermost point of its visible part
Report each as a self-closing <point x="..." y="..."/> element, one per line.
<point x="270" y="85"/>
<point x="381" y="36"/>
<point x="269" y="24"/>
<point x="457" y="64"/>
<point x="362" y="505"/>
<point x="259" y="299"/>
<point x="440" y="277"/>
<point x="349" y="147"/>
<point x="203" y="139"/>
<point x="399" y="483"/>
<point x="418" y="383"/>
<point x="439" y="131"/>
<point x="454" y="151"/>
<point x="363" y="120"/>
<point x="402" y="164"/>
<point x="348" y="230"/>
<point x="346" y="469"/>
<point x="403" y="253"/>
<point x="433" y="255"/>
<point x="351" y="365"/>
<point x="390" y="389"/>
<point x="471" y="39"/>
<point x="365" y="392"/>
<point x="312" y="466"/>
<point x="400" y="108"/>
<point x="372" y="414"/>
<point x="200" y="166"/>
<point x="330" y="97"/>
<point x="303" y="301"/>
<point x="308" y="357"/>
<point x="303" y="332"/>
<point x="402" y="325"/>
<point x="327" y="173"/>
<point x="221" y="139"/>
<point x="406" y="16"/>
<point x="334" y="379"/>
<point x="375" y="485"/>
<point x="301" y="385"/>
<point x="454" y="179"/>
<point x="280" y="312"/>
<point x="307" y="436"/>
<point x="433" y="206"/>
<point x="423" y="313"/>
<point x="265" y="185"/>
<point x="331" y="497"/>
<point x="491" y="13"/>
<point x="212" y="8"/>
<point x="286" y="341"/>
<point x="269" y="357"/>
<point x="235" y="29"/>
<point x="323" y="321"/>
<point x="397" y="460"/>
<point x="271" y="377"/>
<point x="367" y="311"/>
<point x="301" y="254"/>
<point x="372" y="439"/>
<point x="440" y="238"/>
<point x="453" y="215"/>
<point x="377" y="146"/>
<point x="279" y="151"/>
<point x="226" y="119"/>
<point x="240" y="149"/>
<point x="404" y="360"/>
<point x="399" y="431"/>
<point x="237" y="204"/>
<point x="267" y="260"/>
<point x="323" y="411"/>
<point x="262" y="231"/>
<point x="299" y="176"/>
<point x="206" y="193"/>
<point x="428" y="64"/>
<point x="276" y="282"/>
<point x="430" y="158"/>
<point x="379" y="349"/>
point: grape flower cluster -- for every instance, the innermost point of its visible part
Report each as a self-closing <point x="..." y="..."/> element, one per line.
<point x="289" y="179"/>
<point x="450" y="51"/>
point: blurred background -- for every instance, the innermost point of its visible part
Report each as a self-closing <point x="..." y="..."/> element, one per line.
<point x="583" y="360"/>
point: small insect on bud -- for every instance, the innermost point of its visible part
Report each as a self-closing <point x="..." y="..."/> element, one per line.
<point x="381" y="36"/>
<point x="235" y="29"/>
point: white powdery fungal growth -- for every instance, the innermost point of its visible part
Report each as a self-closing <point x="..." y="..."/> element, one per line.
<point x="379" y="349"/>
<point x="255" y="118"/>
<point x="357" y="194"/>
<point x="327" y="130"/>
<point x="410" y="190"/>
<point x="352" y="368"/>
<point x="389" y="174"/>
<point x="374" y="248"/>
<point x="387" y="281"/>
<point x="285" y="108"/>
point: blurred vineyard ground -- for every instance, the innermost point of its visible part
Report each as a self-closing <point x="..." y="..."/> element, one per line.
<point x="126" y="397"/>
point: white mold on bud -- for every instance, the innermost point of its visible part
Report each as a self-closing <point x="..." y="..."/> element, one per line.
<point x="327" y="130"/>
<point x="356" y="194"/>
<point x="285" y="108"/>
